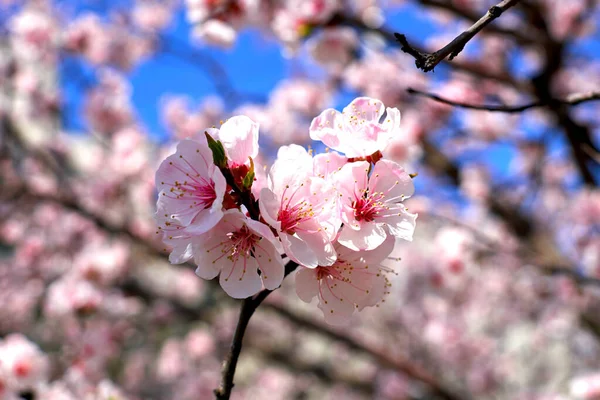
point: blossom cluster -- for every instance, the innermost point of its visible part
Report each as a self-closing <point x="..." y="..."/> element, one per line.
<point x="336" y="215"/>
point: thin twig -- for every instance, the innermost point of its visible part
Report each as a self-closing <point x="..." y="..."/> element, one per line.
<point x="527" y="37"/>
<point x="428" y="61"/>
<point x="572" y="100"/>
<point x="223" y="392"/>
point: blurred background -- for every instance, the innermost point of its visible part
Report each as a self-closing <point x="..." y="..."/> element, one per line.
<point x="498" y="296"/>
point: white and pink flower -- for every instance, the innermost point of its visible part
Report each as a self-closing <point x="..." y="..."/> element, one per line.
<point x="191" y="189"/>
<point x="23" y="366"/>
<point x="363" y="128"/>
<point x="371" y="203"/>
<point x="239" y="136"/>
<point x="301" y="207"/>
<point x="237" y="249"/>
<point x="355" y="281"/>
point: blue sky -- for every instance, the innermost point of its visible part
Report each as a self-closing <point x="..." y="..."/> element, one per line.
<point x="254" y="65"/>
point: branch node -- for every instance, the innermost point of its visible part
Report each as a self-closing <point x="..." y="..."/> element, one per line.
<point x="495" y="11"/>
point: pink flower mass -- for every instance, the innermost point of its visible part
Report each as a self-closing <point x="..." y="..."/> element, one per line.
<point x="311" y="209"/>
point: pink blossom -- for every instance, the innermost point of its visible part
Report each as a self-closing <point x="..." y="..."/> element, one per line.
<point x="33" y="31"/>
<point x="199" y="343"/>
<point x="191" y="189"/>
<point x="69" y="296"/>
<point x="108" y="106"/>
<point x="152" y="15"/>
<point x="239" y="136"/>
<point x="585" y="387"/>
<point x="237" y="248"/>
<point x="217" y="32"/>
<point x="356" y="280"/>
<point x="371" y="204"/>
<point x="334" y="48"/>
<point x="300" y="96"/>
<point x="102" y="264"/>
<point x="22" y="364"/>
<point x="183" y="121"/>
<point x="301" y="207"/>
<point x="89" y="37"/>
<point x="363" y="128"/>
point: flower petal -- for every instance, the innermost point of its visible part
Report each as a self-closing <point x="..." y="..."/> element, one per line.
<point x="368" y="237"/>
<point x="270" y="264"/>
<point x="327" y="127"/>
<point x="402" y="224"/>
<point x="269" y="205"/>
<point x="181" y="253"/>
<point x="239" y="136"/>
<point x="298" y="250"/>
<point x="391" y="179"/>
<point x="307" y="284"/>
<point x="335" y="309"/>
<point x="239" y="277"/>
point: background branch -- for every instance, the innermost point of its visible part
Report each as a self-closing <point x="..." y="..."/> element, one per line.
<point x="428" y="61"/>
<point x="572" y="100"/>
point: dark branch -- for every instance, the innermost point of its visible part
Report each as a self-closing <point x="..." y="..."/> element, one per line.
<point x="249" y="305"/>
<point x="528" y="37"/>
<point x="223" y="392"/>
<point x="428" y="61"/>
<point x="572" y="100"/>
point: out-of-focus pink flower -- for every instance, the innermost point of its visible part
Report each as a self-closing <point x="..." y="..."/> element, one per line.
<point x="356" y="280"/>
<point x="334" y="48"/>
<point x="453" y="250"/>
<point x="199" y="343"/>
<point x="33" y="31"/>
<point x="215" y="31"/>
<point x="69" y="296"/>
<point x="191" y="189"/>
<point x="130" y="151"/>
<point x="170" y="363"/>
<point x="102" y="264"/>
<point x="585" y="387"/>
<point x="371" y="204"/>
<point x="363" y="128"/>
<point x="108" y="106"/>
<point x="300" y="96"/>
<point x="152" y="15"/>
<point x="184" y="122"/>
<point x="22" y="364"/>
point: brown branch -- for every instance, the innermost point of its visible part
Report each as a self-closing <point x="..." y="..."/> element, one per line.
<point x="571" y="100"/>
<point x="469" y="67"/>
<point x="428" y="61"/>
<point x="578" y="135"/>
<point x="223" y="392"/>
<point x="524" y="38"/>
<point x="383" y="357"/>
<point x="249" y="305"/>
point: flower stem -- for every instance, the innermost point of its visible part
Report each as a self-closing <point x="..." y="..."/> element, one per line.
<point x="249" y="305"/>
<point x="223" y="392"/>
